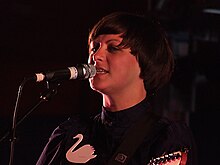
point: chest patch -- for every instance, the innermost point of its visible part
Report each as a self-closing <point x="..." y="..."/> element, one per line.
<point x="82" y="154"/>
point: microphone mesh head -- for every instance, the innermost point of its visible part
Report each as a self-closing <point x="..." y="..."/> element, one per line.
<point x="92" y="70"/>
<point x="88" y="71"/>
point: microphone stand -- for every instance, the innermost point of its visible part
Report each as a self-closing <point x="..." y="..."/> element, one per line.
<point x="44" y="97"/>
<point x="13" y="130"/>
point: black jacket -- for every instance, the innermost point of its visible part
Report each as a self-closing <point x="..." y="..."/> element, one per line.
<point x="102" y="134"/>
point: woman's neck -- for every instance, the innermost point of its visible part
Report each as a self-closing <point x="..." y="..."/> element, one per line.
<point x="121" y="101"/>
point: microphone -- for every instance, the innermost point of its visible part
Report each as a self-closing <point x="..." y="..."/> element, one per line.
<point x="81" y="71"/>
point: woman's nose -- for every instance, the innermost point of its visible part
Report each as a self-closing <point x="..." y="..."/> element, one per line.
<point x="98" y="56"/>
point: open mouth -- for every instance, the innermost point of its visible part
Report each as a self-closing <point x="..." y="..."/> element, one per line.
<point x="101" y="71"/>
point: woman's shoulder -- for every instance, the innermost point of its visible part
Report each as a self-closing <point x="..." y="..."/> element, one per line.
<point x="73" y="123"/>
<point x="175" y="127"/>
<point x="173" y="135"/>
<point x="77" y="120"/>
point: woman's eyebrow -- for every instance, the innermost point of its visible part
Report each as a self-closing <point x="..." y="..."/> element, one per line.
<point x="113" y="40"/>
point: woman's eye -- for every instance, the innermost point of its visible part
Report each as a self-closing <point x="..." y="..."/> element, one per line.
<point x="113" y="49"/>
<point x="95" y="48"/>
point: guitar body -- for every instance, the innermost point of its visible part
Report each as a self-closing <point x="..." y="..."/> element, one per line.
<point x="175" y="158"/>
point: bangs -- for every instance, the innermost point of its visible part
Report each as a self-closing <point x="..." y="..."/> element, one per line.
<point x="106" y="27"/>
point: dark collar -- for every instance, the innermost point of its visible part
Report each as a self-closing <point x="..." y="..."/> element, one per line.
<point x="124" y="117"/>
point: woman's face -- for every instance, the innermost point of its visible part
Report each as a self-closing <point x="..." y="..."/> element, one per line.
<point x="117" y="69"/>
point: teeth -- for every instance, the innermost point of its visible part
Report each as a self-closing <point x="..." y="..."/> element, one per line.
<point x="101" y="70"/>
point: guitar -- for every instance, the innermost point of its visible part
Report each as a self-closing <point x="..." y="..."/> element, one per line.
<point x="175" y="158"/>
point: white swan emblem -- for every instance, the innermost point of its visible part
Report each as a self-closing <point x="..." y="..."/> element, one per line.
<point x="81" y="155"/>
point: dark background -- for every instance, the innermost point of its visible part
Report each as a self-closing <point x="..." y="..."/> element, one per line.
<point x="37" y="35"/>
